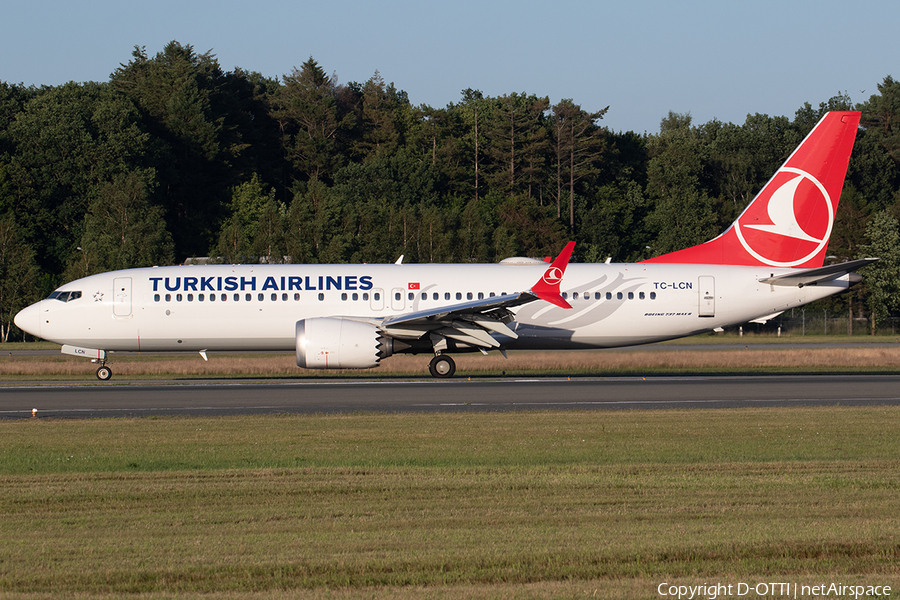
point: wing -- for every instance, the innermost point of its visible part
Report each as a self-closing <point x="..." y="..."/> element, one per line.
<point x="474" y="322"/>
<point x="467" y="322"/>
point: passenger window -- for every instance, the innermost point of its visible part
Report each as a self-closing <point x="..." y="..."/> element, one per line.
<point x="597" y="295"/>
<point x="274" y="297"/>
<point x="237" y="297"/>
<point x="424" y="296"/>
<point x="398" y="296"/>
<point x="224" y="297"/>
<point x="641" y="295"/>
<point x="435" y="296"/>
<point x="297" y="296"/>
<point x="284" y="297"/>
<point x="321" y="296"/>
<point x="260" y="297"/>
<point x="248" y="297"/>
<point x="212" y="297"/>
<point x="446" y="295"/>
<point x="653" y="295"/>
<point x="481" y="295"/>
<point x="412" y="296"/>
<point x="631" y="295"/>
<point x="469" y="296"/>
<point x="156" y="297"/>
<point x="366" y="296"/>
<point x="376" y="296"/>
<point x="609" y="295"/>
<point x="178" y="297"/>
<point x="574" y="295"/>
<point x="344" y="296"/>
<point x="355" y="296"/>
<point x="200" y="297"/>
<point x="459" y="295"/>
<point x="565" y="295"/>
<point x="168" y="297"/>
<point x="492" y="294"/>
<point x="618" y="295"/>
<point x="190" y="297"/>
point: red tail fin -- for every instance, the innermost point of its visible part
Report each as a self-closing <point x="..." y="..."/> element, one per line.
<point x="789" y="222"/>
<point x="547" y="287"/>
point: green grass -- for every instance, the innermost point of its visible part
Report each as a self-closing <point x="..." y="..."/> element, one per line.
<point x="555" y="504"/>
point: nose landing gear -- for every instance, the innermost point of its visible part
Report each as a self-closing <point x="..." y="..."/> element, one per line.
<point x="104" y="373"/>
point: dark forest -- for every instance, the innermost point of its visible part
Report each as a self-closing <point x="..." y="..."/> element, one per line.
<point x="174" y="158"/>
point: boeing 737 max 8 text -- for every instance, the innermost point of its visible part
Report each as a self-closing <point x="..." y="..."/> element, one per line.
<point x="353" y="316"/>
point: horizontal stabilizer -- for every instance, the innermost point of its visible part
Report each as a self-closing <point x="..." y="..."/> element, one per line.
<point x="766" y="319"/>
<point x="804" y="277"/>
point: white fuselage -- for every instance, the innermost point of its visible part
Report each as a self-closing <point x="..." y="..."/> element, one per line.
<point x="256" y="307"/>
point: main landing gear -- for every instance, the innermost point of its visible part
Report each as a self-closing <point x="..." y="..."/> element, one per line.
<point x="442" y="366"/>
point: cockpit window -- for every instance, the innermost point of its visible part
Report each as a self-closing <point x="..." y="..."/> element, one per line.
<point x="64" y="296"/>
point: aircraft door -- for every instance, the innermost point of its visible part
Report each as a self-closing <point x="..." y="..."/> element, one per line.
<point x="377" y="299"/>
<point x="122" y="296"/>
<point x="397" y="299"/>
<point x="707" y="293"/>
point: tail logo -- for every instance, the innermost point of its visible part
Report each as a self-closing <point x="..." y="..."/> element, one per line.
<point x="553" y="276"/>
<point x="792" y="225"/>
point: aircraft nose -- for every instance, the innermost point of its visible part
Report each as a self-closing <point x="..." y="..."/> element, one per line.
<point x="29" y="320"/>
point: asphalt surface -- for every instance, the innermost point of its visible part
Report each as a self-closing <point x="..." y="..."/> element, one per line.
<point x="130" y="399"/>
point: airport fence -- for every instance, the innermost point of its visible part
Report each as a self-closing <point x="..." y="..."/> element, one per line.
<point x="819" y="322"/>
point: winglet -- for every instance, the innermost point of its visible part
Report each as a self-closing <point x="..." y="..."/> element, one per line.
<point x="547" y="287"/>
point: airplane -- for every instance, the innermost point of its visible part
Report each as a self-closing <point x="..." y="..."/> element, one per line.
<point x="354" y="316"/>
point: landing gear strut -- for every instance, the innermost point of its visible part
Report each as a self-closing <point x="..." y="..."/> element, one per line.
<point x="442" y="366"/>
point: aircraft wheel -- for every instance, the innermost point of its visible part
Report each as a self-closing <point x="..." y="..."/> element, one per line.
<point x="104" y="373"/>
<point x="442" y="366"/>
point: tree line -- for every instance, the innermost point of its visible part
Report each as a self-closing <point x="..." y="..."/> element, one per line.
<point x="174" y="158"/>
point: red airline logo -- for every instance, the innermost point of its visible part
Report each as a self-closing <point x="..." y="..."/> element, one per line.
<point x="553" y="276"/>
<point x="414" y="286"/>
<point x="547" y="287"/>
<point x="790" y="222"/>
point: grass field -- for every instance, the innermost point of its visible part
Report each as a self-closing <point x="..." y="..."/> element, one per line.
<point x="497" y="505"/>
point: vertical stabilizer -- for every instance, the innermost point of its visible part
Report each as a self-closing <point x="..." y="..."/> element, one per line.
<point x="789" y="222"/>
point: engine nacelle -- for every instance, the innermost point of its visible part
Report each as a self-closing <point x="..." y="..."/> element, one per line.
<point x="337" y="343"/>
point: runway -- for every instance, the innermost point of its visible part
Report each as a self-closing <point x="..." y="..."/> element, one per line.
<point x="343" y="396"/>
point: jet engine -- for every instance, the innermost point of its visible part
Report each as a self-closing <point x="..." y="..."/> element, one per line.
<point x="338" y="343"/>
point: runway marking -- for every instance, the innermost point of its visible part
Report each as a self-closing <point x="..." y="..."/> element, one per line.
<point x="282" y="383"/>
<point x="47" y="412"/>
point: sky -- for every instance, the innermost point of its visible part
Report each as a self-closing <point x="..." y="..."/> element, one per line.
<point x="718" y="59"/>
